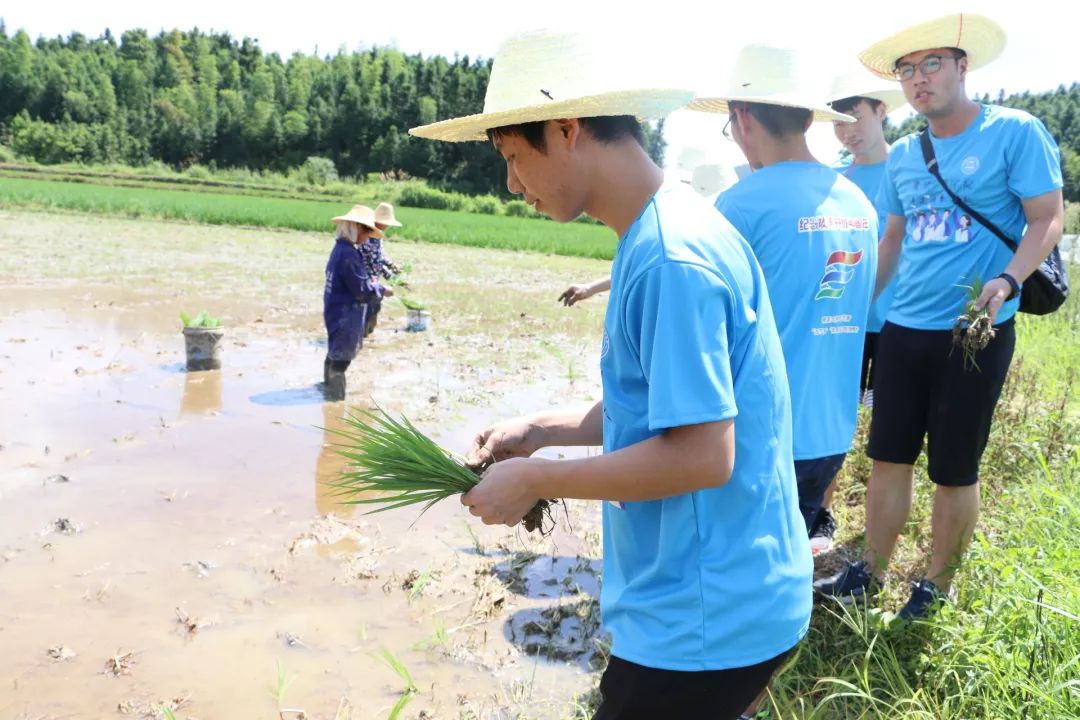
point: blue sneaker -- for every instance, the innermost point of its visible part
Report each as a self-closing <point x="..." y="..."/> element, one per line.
<point x="852" y="584"/>
<point x="926" y="599"/>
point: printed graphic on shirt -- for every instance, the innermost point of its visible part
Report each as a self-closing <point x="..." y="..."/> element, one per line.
<point x="929" y="224"/>
<point x="839" y="269"/>
<point x="832" y="222"/>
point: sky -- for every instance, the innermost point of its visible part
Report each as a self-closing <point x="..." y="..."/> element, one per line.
<point x="693" y="42"/>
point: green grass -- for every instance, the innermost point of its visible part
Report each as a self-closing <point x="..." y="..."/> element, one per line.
<point x="217" y="208"/>
<point x="1009" y="646"/>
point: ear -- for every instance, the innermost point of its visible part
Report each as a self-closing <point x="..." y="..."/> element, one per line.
<point x="962" y="67"/>
<point x="567" y="132"/>
<point x="880" y="112"/>
<point x="743" y="119"/>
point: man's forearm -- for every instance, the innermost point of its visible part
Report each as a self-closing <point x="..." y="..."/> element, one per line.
<point x="676" y="462"/>
<point x="569" y="427"/>
<point x="1038" y="241"/>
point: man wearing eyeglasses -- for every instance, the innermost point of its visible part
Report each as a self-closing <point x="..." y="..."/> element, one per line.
<point x="1004" y="164"/>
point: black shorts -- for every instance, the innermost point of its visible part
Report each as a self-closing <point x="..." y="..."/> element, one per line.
<point x="866" y="378"/>
<point x="635" y="692"/>
<point x="923" y="389"/>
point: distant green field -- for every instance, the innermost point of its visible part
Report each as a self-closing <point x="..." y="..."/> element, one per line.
<point x="217" y="208"/>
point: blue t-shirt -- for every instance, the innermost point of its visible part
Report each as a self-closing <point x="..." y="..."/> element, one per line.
<point x="815" y="235"/>
<point x="869" y="179"/>
<point x="1003" y="157"/>
<point x="717" y="578"/>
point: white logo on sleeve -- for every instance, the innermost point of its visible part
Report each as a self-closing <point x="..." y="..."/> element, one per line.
<point x="970" y="166"/>
<point x="605" y="345"/>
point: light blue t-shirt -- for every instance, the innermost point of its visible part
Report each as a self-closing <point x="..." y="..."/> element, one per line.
<point x="869" y="179"/>
<point x="815" y="235"/>
<point x="717" y="578"/>
<point x="1003" y="157"/>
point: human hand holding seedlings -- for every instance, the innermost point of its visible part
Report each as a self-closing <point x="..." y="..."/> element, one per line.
<point x="974" y="328"/>
<point x="993" y="296"/>
<point x="505" y="493"/>
<point x="388" y="291"/>
<point x="517" y="438"/>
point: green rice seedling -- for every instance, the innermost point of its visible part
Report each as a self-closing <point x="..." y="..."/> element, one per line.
<point x="202" y="320"/>
<point x="412" y="304"/>
<point x="478" y="544"/>
<point x="391" y="457"/>
<point x="972" y="330"/>
<point x="282" y="685"/>
<point x="410" y="690"/>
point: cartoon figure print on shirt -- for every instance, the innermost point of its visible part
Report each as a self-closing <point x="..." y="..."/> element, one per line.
<point x="935" y="218"/>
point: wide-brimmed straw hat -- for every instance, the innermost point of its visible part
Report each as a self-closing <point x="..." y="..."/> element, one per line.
<point x="549" y="75"/>
<point x="362" y="215"/>
<point x="772" y="76"/>
<point x="978" y="36"/>
<point x="861" y="83"/>
<point x="384" y="215"/>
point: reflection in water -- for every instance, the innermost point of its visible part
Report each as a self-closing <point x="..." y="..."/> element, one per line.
<point x="330" y="464"/>
<point x="202" y="392"/>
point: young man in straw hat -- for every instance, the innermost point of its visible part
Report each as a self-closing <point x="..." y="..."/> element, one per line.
<point x="706" y="566"/>
<point x="377" y="264"/>
<point x="815" y="235"/>
<point x="868" y="99"/>
<point x="1004" y="165"/>
<point x="348" y="290"/>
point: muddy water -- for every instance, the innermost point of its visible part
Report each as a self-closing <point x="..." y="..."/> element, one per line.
<point x="199" y="536"/>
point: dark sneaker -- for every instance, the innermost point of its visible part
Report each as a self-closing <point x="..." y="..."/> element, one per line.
<point x="852" y="584"/>
<point x="823" y="532"/>
<point x="926" y="599"/>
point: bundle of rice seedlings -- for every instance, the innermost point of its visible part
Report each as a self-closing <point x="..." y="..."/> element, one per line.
<point x="405" y="467"/>
<point x="972" y="330"/>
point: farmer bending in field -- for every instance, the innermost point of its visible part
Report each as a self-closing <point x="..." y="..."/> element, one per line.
<point x="377" y="264"/>
<point x="707" y="568"/>
<point x="1004" y="165"/>
<point x="348" y="289"/>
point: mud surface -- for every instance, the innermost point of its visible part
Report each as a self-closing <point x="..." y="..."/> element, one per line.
<point x="166" y="538"/>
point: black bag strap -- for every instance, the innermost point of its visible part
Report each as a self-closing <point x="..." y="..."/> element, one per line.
<point x="933" y="169"/>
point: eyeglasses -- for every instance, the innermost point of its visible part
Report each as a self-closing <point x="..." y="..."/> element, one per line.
<point x="727" y="128"/>
<point x="928" y="66"/>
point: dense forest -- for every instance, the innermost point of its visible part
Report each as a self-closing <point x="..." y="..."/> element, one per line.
<point x="188" y="98"/>
<point x="196" y="98"/>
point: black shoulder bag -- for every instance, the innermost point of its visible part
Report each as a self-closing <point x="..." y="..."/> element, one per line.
<point x="1046" y="289"/>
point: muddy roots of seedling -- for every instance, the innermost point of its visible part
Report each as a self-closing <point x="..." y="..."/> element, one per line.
<point x="972" y="332"/>
<point x="540" y="519"/>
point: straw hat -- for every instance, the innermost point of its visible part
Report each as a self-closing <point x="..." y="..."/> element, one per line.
<point x="362" y="215"/>
<point x="978" y="36"/>
<point x="710" y="179"/>
<point x="863" y="84"/>
<point x="384" y="215"/>
<point x="549" y="75"/>
<point x="772" y="76"/>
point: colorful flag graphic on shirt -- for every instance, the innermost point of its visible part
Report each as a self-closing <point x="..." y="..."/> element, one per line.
<point x="839" y="269"/>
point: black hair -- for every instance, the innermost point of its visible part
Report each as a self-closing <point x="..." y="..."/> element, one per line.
<point x="848" y="104"/>
<point x="605" y="128"/>
<point x="778" y="120"/>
